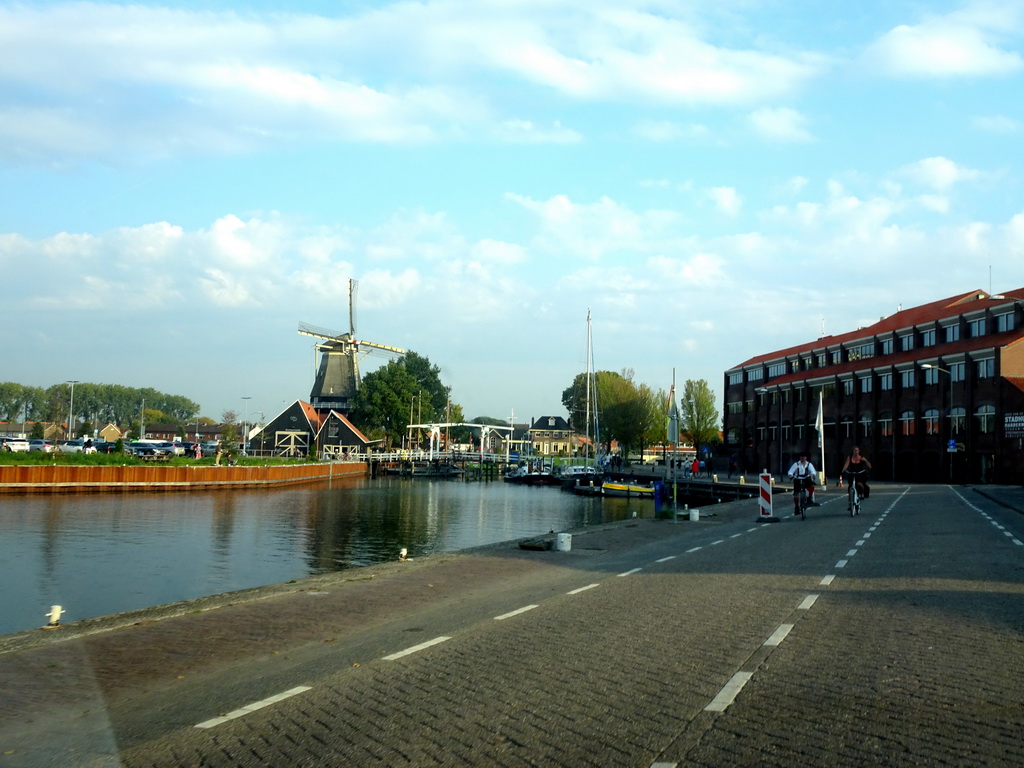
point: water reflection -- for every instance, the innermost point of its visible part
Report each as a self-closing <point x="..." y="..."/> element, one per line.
<point x="106" y="553"/>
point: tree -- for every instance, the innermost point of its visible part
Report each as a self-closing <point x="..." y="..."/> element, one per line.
<point x="699" y="414"/>
<point x="385" y="400"/>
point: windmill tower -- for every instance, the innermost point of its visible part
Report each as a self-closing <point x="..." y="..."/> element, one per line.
<point x="337" y="379"/>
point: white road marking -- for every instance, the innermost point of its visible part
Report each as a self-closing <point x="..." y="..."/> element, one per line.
<point x="728" y="694"/>
<point x="516" y="612"/>
<point x="416" y="648"/>
<point x="807" y="603"/>
<point x="779" y="635"/>
<point x="582" y="589"/>
<point x="851" y="553"/>
<point x="859" y="543"/>
<point x="720" y="541"/>
<point x="693" y="550"/>
<point x="252" y="707"/>
<point x="735" y="535"/>
<point x="842" y="563"/>
<point x="827" y="580"/>
<point x="666" y="559"/>
<point x="630" y="573"/>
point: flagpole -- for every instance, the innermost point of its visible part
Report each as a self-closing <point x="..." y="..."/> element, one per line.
<point x="675" y="443"/>
<point x="821" y="439"/>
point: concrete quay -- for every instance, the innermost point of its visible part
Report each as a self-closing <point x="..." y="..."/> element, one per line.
<point x="893" y="638"/>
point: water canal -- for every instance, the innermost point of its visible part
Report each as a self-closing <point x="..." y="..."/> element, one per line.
<point x="99" y="554"/>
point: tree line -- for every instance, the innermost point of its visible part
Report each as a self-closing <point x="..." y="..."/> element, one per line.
<point x="95" y="403"/>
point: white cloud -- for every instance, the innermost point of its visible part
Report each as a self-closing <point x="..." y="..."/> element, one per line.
<point x="780" y="124"/>
<point x="939" y="173"/>
<point x="960" y="44"/>
<point x="999" y="124"/>
<point x="726" y="199"/>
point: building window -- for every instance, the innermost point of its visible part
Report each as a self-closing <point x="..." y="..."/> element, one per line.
<point x="866" y="425"/>
<point x="886" y="346"/>
<point x="736" y="407"/>
<point x="958" y="419"/>
<point x="907" y="379"/>
<point x="822" y="360"/>
<point x="986" y="416"/>
<point x="776" y="369"/>
<point x="735" y="378"/>
<point x="931" y="375"/>
<point x="865" y="384"/>
<point x="837" y="357"/>
<point x="976" y="328"/>
<point x="1004" y="322"/>
<point x="885" y="425"/>
<point x="907" y="423"/>
<point x="755" y="375"/>
<point x="847" y="427"/>
<point x="885" y="382"/>
<point x="985" y="369"/>
<point x="952" y="333"/>
<point x="907" y="342"/>
<point x="928" y="338"/>
<point x="931" y="421"/>
<point x="861" y="352"/>
<point x="808" y="363"/>
<point x="848" y="387"/>
<point x="957" y="371"/>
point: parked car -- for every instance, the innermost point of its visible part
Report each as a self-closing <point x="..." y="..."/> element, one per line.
<point x="78" y="445"/>
<point x="145" y="449"/>
<point x="14" y="444"/>
<point x="190" y="449"/>
<point x="174" y="449"/>
<point x="105" y="447"/>
<point x="43" y="446"/>
<point x="210" y="447"/>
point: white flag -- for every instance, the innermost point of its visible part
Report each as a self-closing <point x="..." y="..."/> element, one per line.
<point x="819" y="422"/>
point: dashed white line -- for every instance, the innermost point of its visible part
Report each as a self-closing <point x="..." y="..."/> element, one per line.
<point x="807" y="603"/>
<point x="851" y="553"/>
<point x="416" y="648"/>
<point x="842" y="563"/>
<point x="827" y="580"/>
<point x="728" y="694"/>
<point x="630" y="573"/>
<point x="720" y="541"/>
<point x="694" y="549"/>
<point x="516" y="612"/>
<point x="666" y="559"/>
<point x="779" y="635"/>
<point x="735" y="535"/>
<point x="582" y="589"/>
<point x="252" y="707"/>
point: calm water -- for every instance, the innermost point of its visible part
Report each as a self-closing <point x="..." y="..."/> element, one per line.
<point x="106" y="553"/>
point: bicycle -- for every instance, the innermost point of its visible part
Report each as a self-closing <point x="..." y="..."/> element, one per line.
<point x="803" y="497"/>
<point x="854" y="492"/>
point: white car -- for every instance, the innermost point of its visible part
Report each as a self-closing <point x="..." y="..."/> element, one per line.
<point x="14" y="444"/>
<point x="76" y="446"/>
<point x="44" y="446"/>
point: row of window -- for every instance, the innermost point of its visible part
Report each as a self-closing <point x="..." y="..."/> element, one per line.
<point x="907" y="425"/>
<point x="865" y="350"/>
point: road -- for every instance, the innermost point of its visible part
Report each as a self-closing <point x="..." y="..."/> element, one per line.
<point x="893" y="638"/>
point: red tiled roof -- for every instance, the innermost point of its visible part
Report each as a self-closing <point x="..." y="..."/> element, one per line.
<point x="906" y="318"/>
<point x="1016" y="381"/>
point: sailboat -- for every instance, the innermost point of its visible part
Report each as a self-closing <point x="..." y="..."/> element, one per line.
<point x="585" y="478"/>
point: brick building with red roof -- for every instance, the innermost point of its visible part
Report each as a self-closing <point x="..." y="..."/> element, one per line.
<point x="933" y="393"/>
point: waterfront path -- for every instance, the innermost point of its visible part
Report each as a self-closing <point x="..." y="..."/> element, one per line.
<point x="893" y="638"/>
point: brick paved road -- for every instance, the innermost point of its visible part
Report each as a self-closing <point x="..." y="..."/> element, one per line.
<point x="609" y="655"/>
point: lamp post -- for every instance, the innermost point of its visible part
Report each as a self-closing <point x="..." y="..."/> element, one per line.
<point x="951" y="445"/>
<point x="778" y="426"/>
<point x="71" y="408"/>
<point x="245" y="422"/>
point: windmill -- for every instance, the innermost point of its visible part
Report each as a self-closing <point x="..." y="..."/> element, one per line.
<point x="337" y="379"/>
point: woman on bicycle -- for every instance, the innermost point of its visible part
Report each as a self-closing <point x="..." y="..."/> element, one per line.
<point x="803" y="475"/>
<point x="855" y="463"/>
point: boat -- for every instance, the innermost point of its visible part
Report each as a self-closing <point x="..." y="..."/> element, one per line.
<point x="586" y="478"/>
<point x="532" y="475"/>
<point x="630" y="488"/>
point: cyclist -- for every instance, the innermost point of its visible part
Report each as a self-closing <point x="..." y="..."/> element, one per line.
<point x="803" y="475"/>
<point x="855" y="469"/>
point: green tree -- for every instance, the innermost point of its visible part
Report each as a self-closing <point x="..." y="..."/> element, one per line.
<point x="384" y="402"/>
<point x="699" y="416"/>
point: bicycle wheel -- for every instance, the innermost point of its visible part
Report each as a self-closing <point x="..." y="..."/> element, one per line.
<point x="803" y="504"/>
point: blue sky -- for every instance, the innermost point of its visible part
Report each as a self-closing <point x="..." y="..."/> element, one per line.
<point x="181" y="184"/>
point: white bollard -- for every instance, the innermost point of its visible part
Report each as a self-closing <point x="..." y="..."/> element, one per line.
<point x="694" y="515"/>
<point x="563" y="542"/>
<point x="54" y="615"/>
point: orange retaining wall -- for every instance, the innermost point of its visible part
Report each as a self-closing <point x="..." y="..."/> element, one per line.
<point x="62" y="478"/>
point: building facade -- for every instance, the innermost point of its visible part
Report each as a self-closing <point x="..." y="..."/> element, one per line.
<point x="931" y="394"/>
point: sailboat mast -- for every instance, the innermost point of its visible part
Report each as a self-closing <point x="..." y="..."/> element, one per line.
<point x="590" y="364"/>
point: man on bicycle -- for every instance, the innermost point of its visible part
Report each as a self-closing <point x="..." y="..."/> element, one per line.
<point x="804" y="476"/>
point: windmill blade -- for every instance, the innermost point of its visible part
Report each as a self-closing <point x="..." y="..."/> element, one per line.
<point x="321" y="333"/>
<point x="353" y="286"/>
<point x="382" y="347"/>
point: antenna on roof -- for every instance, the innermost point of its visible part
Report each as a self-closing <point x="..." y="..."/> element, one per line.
<point x="823" y="327"/>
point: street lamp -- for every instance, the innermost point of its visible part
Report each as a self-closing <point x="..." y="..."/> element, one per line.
<point x="951" y="445"/>
<point x="71" y="408"/>
<point x="778" y="426"/>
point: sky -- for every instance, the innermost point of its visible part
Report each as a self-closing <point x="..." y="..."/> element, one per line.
<point x="183" y="183"/>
